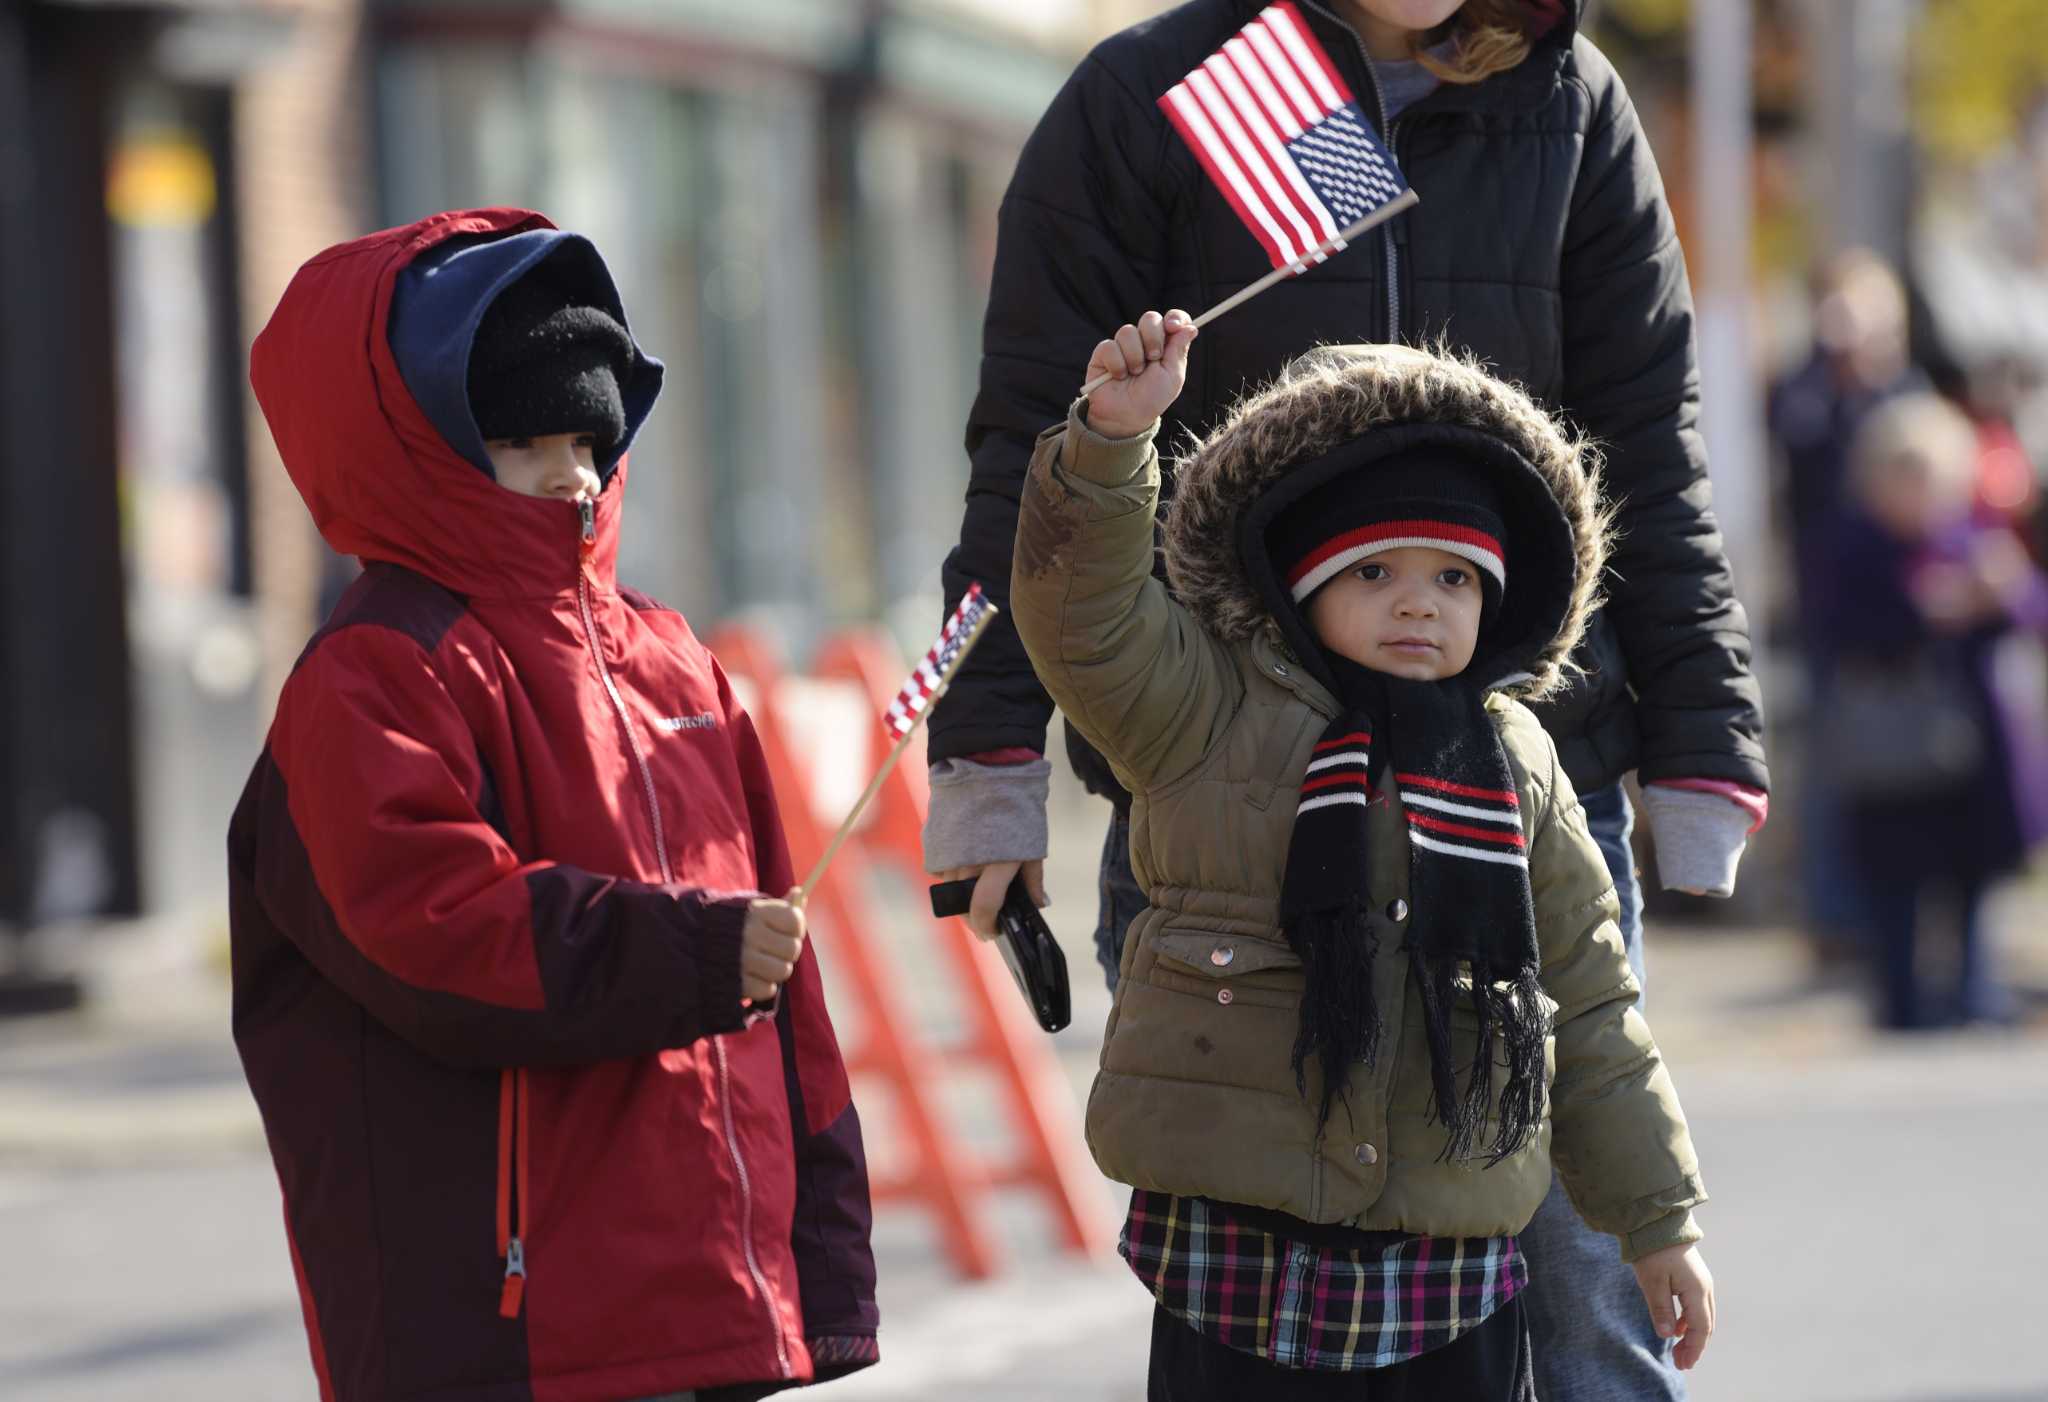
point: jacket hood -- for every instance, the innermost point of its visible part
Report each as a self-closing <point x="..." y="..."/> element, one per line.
<point x="361" y="373"/>
<point x="1342" y="409"/>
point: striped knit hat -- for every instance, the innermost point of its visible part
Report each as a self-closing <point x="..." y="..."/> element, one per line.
<point x="1441" y="500"/>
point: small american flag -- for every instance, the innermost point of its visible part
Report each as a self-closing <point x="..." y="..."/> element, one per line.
<point x="928" y="681"/>
<point x="1284" y="140"/>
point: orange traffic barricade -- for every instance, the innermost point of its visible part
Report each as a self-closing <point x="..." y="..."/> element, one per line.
<point x="935" y="1169"/>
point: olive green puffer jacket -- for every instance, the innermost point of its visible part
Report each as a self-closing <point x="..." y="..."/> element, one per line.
<point x="1196" y="1093"/>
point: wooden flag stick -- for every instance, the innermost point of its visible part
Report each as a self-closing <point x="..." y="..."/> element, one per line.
<point x="1405" y="200"/>
<point x="803" y="892"/>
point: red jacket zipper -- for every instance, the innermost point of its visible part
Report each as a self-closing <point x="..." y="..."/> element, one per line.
<point x="587" y="511"/>
<point x="512" y="1190"/>
<point x="739" y="1164"/>
<point x="587" y="514"/>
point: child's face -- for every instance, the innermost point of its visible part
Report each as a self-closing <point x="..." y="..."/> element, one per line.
<point x="560" y="465"/>
<point x="1410" y="612"/>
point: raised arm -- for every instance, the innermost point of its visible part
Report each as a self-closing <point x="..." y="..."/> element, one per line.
<point x="1129" y="666"/>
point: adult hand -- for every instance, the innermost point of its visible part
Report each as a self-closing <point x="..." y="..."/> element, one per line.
<point x="1147" y="364"/>
<point x="991" y="884"/>
<point x="770" y="941"/>
<point x="1682" y="1272"/>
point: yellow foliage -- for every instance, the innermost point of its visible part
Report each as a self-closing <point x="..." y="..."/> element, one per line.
<point x="1978" y="64"/>
<point x="1651" y="17"/>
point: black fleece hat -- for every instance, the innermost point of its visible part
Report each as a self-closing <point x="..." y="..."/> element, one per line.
<point x="544" y="361"/>
<point x="1440" y="500"/>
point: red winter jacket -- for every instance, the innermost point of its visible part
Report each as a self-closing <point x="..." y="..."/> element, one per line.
<point x="488" y="879"/>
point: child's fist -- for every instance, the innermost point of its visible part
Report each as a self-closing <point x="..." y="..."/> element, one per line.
<point x="770" y="941"/>
<point x="1679" y="1271"/>
<point x="1146" y="365"/>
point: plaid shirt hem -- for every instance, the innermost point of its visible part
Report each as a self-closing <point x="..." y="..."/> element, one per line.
<point x="1304" y="1306"/>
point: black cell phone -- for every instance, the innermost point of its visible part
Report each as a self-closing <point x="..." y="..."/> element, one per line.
<point x="1027" y="946"/>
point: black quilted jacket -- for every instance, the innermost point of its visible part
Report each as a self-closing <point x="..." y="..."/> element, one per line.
<point x="1543" y="243"/>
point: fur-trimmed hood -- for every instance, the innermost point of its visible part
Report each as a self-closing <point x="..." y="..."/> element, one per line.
<point x="1340" y="409"/>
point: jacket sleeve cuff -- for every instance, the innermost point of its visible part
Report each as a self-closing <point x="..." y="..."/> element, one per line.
<point x="714" y="931"/>
<point x="981" y="813"/>
<point x="1699" y="838"/>
<point x="1107" y="462"/>
<point x="1678" y="1229"/>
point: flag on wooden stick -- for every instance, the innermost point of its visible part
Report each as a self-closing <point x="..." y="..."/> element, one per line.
<point x="928" y="682"/>
<point x="1279" y="133"/>
<point x="1277" y="130"/>
<point x="932" y="673"/>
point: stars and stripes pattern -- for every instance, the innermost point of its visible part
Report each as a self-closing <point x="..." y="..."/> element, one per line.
<point x="1464" y="820"/>
<point x="1281" y="136"/>
<point x="1337" y="773"/>
<point x="929" y="679"/>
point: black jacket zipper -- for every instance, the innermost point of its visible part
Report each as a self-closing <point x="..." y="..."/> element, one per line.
<point x="1390" y="133"/>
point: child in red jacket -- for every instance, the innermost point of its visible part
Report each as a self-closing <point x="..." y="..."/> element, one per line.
<point x="551" y="1088"/>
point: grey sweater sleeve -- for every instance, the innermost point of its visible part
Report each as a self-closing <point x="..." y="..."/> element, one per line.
<point x="1699" y="838"/>
<point x="983" y="813"/>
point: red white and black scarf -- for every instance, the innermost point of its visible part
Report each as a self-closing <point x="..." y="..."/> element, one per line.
<point x="1470" y="928"/>
<point x="1470" y="915"/>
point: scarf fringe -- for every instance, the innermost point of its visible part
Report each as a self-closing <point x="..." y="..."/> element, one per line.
<point x="1514" y="1023"/>
<point x="1340" y="1017"/>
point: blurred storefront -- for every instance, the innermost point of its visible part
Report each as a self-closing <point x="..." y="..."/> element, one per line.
<point x="140" y="570"/>
<point x="798" y="196"/>
<point x="799" y="199"/>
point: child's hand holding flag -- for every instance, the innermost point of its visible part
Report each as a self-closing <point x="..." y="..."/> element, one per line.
<point x="1142" y="368"/>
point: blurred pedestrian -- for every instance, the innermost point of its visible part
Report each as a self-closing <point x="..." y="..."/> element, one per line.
<point x="1365" y="874"/>
<point x="1858" y="361"/>
<point x="1937" y="732"/>
<point x="551" y="1090"/>
<point x="1543" y="245"/>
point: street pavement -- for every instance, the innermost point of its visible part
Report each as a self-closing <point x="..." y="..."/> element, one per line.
<point x="1877" y="1202"/>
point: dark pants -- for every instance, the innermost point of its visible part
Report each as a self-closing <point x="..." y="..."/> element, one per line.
<point x="1899" y="909"/>
<point x="1925" y="869"/>
<point x="1489" y="1363"/>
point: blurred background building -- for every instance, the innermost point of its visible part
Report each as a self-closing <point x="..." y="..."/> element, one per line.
<point x="799" y="198"/>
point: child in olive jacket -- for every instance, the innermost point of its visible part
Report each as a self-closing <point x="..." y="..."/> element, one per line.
<point x="1378" y="990"/>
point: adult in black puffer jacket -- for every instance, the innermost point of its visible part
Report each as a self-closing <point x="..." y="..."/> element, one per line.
<point x="1543" y="244"/>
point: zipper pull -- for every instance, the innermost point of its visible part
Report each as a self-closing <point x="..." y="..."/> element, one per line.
<point x="515" y="1279"/>
<point x="586" y="511"/>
